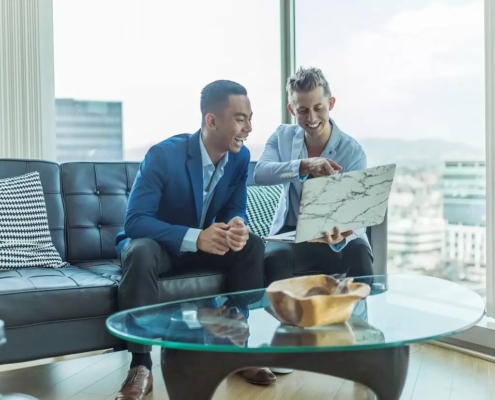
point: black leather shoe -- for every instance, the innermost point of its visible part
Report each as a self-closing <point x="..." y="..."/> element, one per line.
<point x="258" y="376"/>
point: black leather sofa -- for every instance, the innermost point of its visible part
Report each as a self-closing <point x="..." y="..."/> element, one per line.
<point x="50" y="313"/>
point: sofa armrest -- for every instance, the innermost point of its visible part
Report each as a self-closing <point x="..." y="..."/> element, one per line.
<point x="378" y="240"/>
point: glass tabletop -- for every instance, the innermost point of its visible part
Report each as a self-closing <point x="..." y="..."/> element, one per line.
<point x="401" y="309"/>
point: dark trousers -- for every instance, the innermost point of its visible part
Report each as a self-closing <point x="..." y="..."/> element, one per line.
<point x="285" y="260"/>
<point x="143" y="260"/>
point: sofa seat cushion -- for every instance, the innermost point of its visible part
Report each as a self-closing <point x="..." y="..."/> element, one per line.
<point x="38" y="295"/>
<point x="184" y="283"/>
<point x="111" y="269"/>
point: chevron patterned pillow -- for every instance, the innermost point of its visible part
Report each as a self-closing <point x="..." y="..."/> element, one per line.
<point x="25" y="240"/>
<point x="261" y="206"/>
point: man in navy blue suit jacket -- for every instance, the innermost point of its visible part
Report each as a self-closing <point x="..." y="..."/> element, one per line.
<point x="188" y="207"/>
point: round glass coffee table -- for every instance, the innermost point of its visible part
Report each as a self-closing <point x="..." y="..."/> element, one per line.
<point x="205" y="340"/>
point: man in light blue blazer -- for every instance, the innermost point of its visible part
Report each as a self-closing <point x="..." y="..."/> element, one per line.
<point x="312" y="148"/>
<point x="187" y="207"/>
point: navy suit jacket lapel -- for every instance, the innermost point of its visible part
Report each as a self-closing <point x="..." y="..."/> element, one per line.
<point x="195" y="168"/>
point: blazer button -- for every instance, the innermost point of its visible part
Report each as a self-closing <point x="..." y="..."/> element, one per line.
<point x="97" y="192"/>
<point x="99" y="226"/>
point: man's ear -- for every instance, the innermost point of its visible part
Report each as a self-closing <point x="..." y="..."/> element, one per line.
<point x="210" y="121"/>
<point x="331" y="103"/>
<point x="291" y="109"/>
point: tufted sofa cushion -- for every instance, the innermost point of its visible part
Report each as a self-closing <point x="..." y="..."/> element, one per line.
<point x="95" y="199"/>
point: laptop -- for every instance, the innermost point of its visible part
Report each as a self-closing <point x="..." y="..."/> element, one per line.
<point x="348" y="201"/>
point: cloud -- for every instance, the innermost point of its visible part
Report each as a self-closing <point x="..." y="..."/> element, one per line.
<point x="437" y="41"/>
<point x="418" y="74"/>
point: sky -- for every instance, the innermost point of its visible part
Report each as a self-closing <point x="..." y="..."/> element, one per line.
<point x="398" y="69"/>
<point x="414" y="71"/>
<point x="155" y="56"/>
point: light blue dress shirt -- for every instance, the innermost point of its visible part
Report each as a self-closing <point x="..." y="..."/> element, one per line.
<point x="281" y="161"/>
<point x="212" y="177"/>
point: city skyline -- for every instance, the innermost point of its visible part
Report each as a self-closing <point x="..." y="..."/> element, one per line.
<point x="88" y="130"/>
<point x="378" y="150"/>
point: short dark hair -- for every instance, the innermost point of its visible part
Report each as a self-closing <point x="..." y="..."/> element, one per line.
<point x="217" y="94"/>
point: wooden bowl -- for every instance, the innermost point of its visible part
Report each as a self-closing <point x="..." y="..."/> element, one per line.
<point x="311" y="300"/>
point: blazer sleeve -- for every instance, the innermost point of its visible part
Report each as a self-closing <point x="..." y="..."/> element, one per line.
<point x="141" y="216"/>
<point x="270" y="170"/>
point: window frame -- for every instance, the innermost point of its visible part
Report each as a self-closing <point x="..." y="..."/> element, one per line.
<point x="490" y="152"/>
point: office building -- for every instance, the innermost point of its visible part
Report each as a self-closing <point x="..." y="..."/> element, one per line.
<point x="415" y="244"/>
<point x="464" y="210"/>
<point x="88" y="130"/>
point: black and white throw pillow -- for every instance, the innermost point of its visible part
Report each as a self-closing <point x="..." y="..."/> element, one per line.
<point x="261" y="206"/>
<point x="25" y="240"/>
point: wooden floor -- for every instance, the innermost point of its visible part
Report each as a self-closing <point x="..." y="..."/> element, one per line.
<point x="434" y="374"/>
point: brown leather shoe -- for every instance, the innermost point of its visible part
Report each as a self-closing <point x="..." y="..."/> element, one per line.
<point x="138" y="385"/>
<point x="258" y="376"/>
